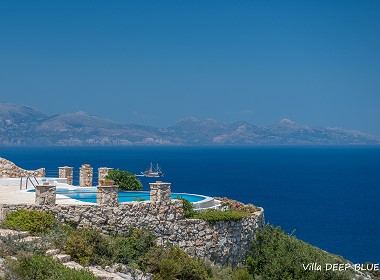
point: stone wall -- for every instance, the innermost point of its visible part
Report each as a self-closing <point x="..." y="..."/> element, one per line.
<point x="225" y="243"/>
<point x="10" y="170"/>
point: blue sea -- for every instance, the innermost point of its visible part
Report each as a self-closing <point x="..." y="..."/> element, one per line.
<point x="330" y="196"/>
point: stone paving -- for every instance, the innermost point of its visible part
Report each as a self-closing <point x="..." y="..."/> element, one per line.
<point x="13" y="195"/>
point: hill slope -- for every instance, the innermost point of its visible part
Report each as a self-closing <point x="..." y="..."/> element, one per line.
<point x="21" y="125"/>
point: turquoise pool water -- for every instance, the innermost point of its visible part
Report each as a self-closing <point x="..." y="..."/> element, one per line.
<point x="89" y="195"/>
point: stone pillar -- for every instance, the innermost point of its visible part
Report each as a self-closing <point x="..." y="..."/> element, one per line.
<point x="66" y="172"/>
<point x="160" y="192"/>
<point x="85" y="175"/>
<point x="45" y="194"/>
<point x="102" y="174"/>
<point x="107" y="195"/>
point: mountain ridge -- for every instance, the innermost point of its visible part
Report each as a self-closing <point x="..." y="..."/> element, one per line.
<point x="23" y="125"/>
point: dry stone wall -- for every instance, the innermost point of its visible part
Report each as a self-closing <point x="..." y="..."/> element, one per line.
<point x="10" y="170"/>
<point x="225" y="243"/>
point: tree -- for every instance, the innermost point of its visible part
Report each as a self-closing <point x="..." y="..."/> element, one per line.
<point x="125" y="180"/>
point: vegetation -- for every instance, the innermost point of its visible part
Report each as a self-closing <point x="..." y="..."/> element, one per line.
<point x="188" y="209"/>
<point x="229" y="273"/>
<point x="211" y="215"/>
<point x="125" y="180"/>
<point x="276" y="255"/>
<point x="173" y="263"/>
<point x="235" y="205"/>
<point x="214" y="216"/>
<point x="89" y="247"/>
<point x="36" y="222"/>
<point x="38" y="267"/>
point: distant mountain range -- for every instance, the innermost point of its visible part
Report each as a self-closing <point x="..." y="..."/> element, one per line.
<point x="21" y="125"/>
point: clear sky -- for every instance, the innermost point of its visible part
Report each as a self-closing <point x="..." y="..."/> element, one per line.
<point x="156" y="62"/>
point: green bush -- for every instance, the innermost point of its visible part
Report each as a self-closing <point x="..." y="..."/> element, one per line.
<point x="87" y="246"/>
<point x="128" y="249"/>
<point x="211" y="215"/>
<point x="214" y="216"/>
<point x="276" y="255"/>
<point x="237" y="205"/>
<point x="173" y="263"/>
<point x="229" y="273"/>
<point x="125" y="180"/>
<point x="188" y="209"/>
<point x="36" y="222"/>
<point x="39" y="267"/>
<point x="13" y="244"/>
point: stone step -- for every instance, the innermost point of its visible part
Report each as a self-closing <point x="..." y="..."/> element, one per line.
<point x="52" y="252"/>
<point x="104" y="275"/>
<point x="73" y="265"/>
<point x="63" y="258"/>
<point x="10" y="232"/>
<point x="30" y="238"/>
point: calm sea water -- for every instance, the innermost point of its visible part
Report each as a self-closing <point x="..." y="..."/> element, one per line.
<point x="329" y="195"/>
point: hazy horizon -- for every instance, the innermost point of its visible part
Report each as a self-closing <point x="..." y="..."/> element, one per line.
<point x="284" y="121"/>
<point x="155" y="63"/>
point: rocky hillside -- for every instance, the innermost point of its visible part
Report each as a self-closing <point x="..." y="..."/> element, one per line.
<point x="21" y="125"/>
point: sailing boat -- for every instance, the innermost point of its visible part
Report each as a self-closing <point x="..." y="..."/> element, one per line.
<point x="153" y="172"/>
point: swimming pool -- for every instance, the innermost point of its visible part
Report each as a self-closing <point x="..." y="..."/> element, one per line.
<point x="89" y="195"/>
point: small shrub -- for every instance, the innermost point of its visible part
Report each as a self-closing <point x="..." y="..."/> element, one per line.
<point x="12" y="244"/>
<point x="169" y="269"/>
<point x="173" y="263"/>
<point x="213" y="216"/>
<point x="59" y="234"/>
<point x="125" y="180"/>
<point x="36" y="222"/>
<point x="87" y="246"/>
<point x="128" y="249"/>
<point x="229" y="273"/>
<point x="231" y="204"/>
<point x="241" y="274"/>
<point x="40" y="267"/>
<point x="188" y="209"/>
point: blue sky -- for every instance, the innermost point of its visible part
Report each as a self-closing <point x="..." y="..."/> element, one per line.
<point x="156" y="62"/>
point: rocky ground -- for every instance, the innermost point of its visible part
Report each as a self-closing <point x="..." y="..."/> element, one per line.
<point x="113" y="272"/>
